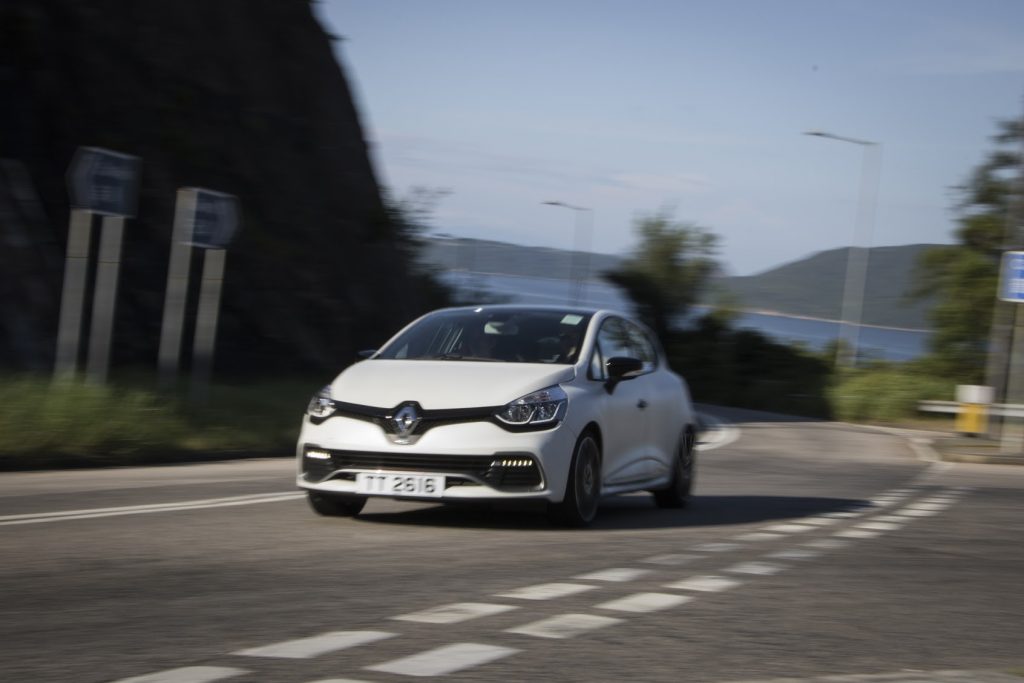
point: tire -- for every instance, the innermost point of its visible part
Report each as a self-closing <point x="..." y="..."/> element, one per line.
<point x="583" y="489"/>
<point x="335" y="506"/>
<point x="677" y="494"/>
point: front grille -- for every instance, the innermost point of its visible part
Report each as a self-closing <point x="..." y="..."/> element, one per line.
<point x="501" y="472"/>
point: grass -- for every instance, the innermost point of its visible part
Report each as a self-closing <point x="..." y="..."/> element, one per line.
<point x="75" y="424"/>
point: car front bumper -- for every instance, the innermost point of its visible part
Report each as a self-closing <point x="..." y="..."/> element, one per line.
<point x="479" y="460"/>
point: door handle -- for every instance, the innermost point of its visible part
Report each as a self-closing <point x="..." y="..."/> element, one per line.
<point x="641" y="404"/>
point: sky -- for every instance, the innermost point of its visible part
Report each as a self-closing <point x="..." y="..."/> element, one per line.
<point x="696" y="108"/>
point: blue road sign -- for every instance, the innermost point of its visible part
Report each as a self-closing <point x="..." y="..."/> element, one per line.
<point x="104" y="182"/>
<point x="1011" y="280"/>
<point x="215" y="219"/>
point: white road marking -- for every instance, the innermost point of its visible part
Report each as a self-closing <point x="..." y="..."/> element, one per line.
<point x="188" y="674"/>
<point x="788" y="528"/>
<point x="455" y="613"/>
<point x="672" y="560"/>
<point x="44" y="517"/>
<point x="564" y="626"/>
<point x="705" y="584"/>
<point x="819" y="521"/>
<point x="880" y="526"/>
<point x="314" y="646"/>
<point x="720" y="434"/>
<point x="645" y="602"/>
<point x="827" y="543"/>
<point x="857" y="533"/>
<point x="794" y="554"/>
<point x="927" y="506"/>
<point x="617" y="575"/>
<point x="760" y="568"/>
<point x="716" y="547"/>
<point x="546" y="591"/>
<point x="444" y="660"/>
<point x="841" y="515"/>
<point x="338" y="680"/>
<point x="757" y="536"/>
<point x="890" y="518"/>
<point x="917" y="513"/>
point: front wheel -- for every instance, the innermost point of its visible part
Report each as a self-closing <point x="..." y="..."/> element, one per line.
<point x="335" y="506"/>
<point x="583" y="490"/>
<point x="677" y="494"/>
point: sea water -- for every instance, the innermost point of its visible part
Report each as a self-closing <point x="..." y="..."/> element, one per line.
<point x="873" y="342"/>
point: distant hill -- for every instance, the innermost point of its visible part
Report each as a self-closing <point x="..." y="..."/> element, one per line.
<point x="811" y="287"/>
<point x="484" y="256"/>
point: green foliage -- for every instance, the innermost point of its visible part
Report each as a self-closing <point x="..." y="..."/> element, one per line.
<point x="74" y="424"/>
<point x="668" y="270"/>
<point x="887" y="392"/>
<point x="965" y="278"/>
<point x="743" y="368"/>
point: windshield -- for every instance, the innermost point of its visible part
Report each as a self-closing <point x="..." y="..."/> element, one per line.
<point x="505" y="335"/>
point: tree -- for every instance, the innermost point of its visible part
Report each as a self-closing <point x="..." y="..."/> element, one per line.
<point x="667" y="271"/>
<point x="964" y="277"/>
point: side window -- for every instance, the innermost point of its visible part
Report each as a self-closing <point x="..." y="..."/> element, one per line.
<point x="641" y="346"/>
<point x="613" y="339"/>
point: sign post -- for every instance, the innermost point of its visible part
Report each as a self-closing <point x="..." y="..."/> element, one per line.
<point x="106" y="183"/>
<point x="208" y="220"/>
<point x="1011" y="288"/>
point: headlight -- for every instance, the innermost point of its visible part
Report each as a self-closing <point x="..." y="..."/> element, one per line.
<point x="321" y="406"/>
<point x="543" y="407"/>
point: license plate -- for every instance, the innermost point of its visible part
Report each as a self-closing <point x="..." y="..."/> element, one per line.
<point x="420" y="485"/>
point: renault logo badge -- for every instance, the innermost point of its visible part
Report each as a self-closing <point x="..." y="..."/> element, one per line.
<point x="405" y="421"/>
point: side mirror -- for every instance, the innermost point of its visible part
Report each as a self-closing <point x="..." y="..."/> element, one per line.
<point x="368" y="353"/>
<point x="621" y="368"/>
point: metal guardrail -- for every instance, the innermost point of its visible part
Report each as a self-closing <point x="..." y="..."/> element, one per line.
<point x="1001" y="409"/>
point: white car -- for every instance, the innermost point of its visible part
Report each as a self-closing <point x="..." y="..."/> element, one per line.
<point x="490" y="403"/>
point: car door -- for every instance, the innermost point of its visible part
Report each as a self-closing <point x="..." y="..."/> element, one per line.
<point x="624" y="417"/>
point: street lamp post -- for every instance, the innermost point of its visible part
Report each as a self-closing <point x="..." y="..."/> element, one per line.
<point x="582" y="230"/>
<point x="857" y="259"/>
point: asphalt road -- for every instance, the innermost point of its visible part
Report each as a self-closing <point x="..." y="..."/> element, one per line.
<point x="810" y="550"/>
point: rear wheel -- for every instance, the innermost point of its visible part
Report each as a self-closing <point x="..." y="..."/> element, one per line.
<point x="583" y="489"/>
<point x="330" y="505"/>
<point x="677" y="494"/>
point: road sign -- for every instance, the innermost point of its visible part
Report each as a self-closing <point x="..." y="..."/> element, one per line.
<point x="214" y="219"/>
<point x="104" y="182"/>
<point x="1011" y="280"/>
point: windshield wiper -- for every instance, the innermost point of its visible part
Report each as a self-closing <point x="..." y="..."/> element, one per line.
<point x="459" y="356"/>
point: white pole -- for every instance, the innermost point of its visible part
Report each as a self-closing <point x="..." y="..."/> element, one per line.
<point x="105" y="297"/>
<point x="76" y="269"/>
<point x="176" y="296"/>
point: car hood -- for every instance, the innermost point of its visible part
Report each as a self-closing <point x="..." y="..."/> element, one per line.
<point x="439" y="385"/>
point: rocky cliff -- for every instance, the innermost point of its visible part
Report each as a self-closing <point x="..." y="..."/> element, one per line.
<point x="240" y="96"/>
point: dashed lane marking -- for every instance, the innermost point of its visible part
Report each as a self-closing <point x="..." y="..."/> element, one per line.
<point x="705" y="584"/>
<point x="444" y="660"/>
<point x="187" y="674"/>
<point x="794" y="554"/>
<point x="564" y="626"/>
<point x="827" y="544"/>
<point x="645" y="602"/>
<point x="917" y="513"/>
<point x="757" y="536"/>
<point x="819" y="521"/>
<point x="455" y="613"/>
<point x="857" y="533"/>
<point x="546" y="591"/>
<point x="880" y="526"/>
<point x="759" y="568"/>
<point x="306" y="648"/>
<point x="788" y="528"/>
<point x="716" y="547"/>
<point x="615" y="575"/>
<point x="671" y="560"/>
